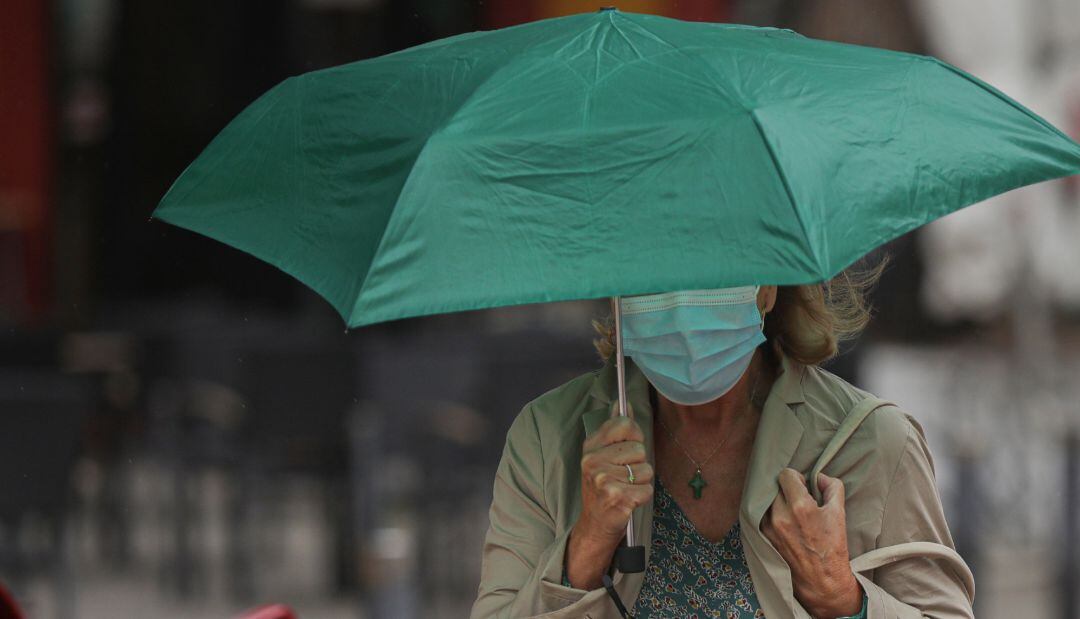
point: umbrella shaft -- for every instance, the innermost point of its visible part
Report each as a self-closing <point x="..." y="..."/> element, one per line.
<point x="620" y="372"/>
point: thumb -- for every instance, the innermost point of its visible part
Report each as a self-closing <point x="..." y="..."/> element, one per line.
<point x="615" y="409"/>
<point x="832" y="491"/>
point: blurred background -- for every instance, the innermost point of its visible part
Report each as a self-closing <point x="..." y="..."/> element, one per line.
<point x="188" y="432"/>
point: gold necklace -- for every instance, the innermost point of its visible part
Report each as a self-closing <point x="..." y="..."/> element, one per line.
<point x="697" y="482"/>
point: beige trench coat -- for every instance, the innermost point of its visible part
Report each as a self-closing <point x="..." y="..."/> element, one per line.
<point x="885" y="466"/>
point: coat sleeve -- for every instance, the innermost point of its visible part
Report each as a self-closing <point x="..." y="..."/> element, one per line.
<point x="521" y="568"/>
<point x="915" y="587"/>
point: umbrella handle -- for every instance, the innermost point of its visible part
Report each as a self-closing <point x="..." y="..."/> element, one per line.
<point x="629" y="559"/>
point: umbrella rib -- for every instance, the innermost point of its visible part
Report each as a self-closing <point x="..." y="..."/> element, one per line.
<point x="386" y="228"/>
<point x="790" y="195"/>
<point x="433" y="133"/>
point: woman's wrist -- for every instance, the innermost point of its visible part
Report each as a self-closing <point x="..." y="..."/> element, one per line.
<point x="862" y="610"/>
<point x="588" y="556"/>
<point x="847" y="601"/>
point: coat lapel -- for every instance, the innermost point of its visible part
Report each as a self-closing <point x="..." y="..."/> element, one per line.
<point x="778" y="435"/>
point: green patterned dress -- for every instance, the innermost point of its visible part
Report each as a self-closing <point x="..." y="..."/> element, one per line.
<point x="689" y="576"/>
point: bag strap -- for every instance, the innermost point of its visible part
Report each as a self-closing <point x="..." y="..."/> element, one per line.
<point x="885" y="555"/>
<point x="851" y="422"/>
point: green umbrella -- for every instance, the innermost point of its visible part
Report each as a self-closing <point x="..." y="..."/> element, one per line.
<point x="602" y="154"/>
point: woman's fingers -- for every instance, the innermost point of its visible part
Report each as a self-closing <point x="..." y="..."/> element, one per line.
<point x="614" y="430"/>
<point x="619" y="429"/>
<point x="616" y="493"/>
<point x="626" y="452"/>
<point x="832" y="491"/>
<point x="794" y="490"/>
<point x="617" y="475"/>
<point x="643" y="473"/>
<point x="778" y="518"/>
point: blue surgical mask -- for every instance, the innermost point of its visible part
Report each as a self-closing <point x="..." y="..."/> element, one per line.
<point x="693" y="345"/>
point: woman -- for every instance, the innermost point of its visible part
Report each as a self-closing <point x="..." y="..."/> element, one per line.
<point x="714" y="465"/>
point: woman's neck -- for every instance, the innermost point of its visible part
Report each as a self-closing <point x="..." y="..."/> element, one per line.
<point x="724" y="412"/>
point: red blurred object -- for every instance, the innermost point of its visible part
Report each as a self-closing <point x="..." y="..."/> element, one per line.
<point x="502" y="13"/>
<point x="703" y="10"/>
<point x="8" y="608"/>
<point x="274" y="611"/>
<point x="26" y="158"/>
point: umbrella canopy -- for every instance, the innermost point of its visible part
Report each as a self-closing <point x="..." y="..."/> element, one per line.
<point x="602" y="154"/>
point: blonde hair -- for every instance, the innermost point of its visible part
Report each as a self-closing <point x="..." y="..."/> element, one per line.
<point x="808" y="321"/>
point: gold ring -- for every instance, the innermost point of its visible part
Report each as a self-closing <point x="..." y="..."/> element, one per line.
<point x="629" y="474"/>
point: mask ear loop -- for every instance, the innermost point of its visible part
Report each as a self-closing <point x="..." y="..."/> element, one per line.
<point x="763" y="313"/>
<point x="757" y="289"/>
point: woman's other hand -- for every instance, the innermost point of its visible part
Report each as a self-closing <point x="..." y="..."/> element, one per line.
<point x="813" y="541"/>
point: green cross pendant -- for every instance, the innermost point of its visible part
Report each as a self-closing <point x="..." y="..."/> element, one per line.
<point x="697" y="482"/>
